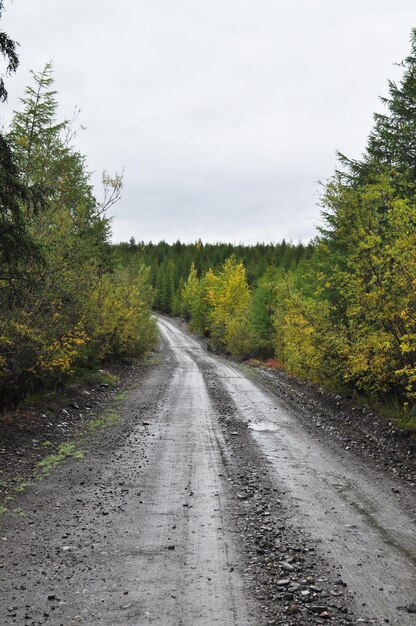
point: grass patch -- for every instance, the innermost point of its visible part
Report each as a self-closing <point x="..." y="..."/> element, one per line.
<point x="95" y="377"/>
<point x="119" y="397"/>
<point x="50" y="462"/>
<point x="21" y="485"/>
<point x="154" y="359"/>
<point x="83" y="377"/>
<point x="19" y="511"/>
<point x="405" y="418"/>
<point x="18" y="484"/>
<point x="249" y="370"/>
<point x="105" y="378"/>
<point x="402" y="414"/>
<point x="56" y="455"/>
<point x="108" y="419"/>
<point x="406" y="423"/>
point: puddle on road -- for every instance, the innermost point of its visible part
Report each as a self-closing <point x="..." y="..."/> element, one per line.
<point x="263" y="426"/>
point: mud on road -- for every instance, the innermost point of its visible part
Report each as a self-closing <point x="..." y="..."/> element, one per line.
<point x="210" y="502"/>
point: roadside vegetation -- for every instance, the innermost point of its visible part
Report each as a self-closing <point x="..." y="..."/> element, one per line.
<point x="50" y="428"/>
<point x="65" y="302"/>
<point x="341" y="311"/>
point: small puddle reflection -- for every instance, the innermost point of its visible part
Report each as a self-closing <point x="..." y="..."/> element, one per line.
<point x="263" y="426"/>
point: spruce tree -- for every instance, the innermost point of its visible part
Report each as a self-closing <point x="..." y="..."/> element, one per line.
<point x="17" y="249"/>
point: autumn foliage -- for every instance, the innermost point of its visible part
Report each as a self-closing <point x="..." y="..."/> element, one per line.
<point x="346" y="315"/>
<point x="217" y="306"/>
<point x="64" y="301"/>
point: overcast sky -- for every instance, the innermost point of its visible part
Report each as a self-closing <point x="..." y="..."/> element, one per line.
<point x="223" y="113"/>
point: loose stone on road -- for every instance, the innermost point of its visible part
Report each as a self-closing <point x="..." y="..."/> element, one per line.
<point x="209" y="503"/>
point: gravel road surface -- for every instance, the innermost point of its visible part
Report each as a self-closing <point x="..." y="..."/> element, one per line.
<point x="209" y="502"/>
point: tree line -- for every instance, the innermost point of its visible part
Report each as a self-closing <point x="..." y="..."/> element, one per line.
<point x="65" y="301"/>
<point x="340" y="311"/>
<point x="170" y="264"/>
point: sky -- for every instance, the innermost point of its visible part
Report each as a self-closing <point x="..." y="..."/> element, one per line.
<point x="223" y="114"/>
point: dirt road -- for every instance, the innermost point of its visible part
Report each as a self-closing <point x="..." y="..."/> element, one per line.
<point x="209" y="503"/>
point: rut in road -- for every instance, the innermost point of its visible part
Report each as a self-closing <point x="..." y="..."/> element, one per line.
<point x="208" y="504"/>
<point x="186" y="562"/>
<point x="349" y="507"/>
<point x="135" y="533"/>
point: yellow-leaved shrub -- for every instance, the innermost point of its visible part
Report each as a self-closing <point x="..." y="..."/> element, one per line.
<point x="117" y="316"/>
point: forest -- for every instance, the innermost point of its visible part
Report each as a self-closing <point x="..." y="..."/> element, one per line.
<point x="339" y="311"/>
<point x="170" y="264"/>
<point x="65" y="304"/>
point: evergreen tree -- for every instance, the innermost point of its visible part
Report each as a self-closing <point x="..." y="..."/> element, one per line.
<point x="368" y="269"/>
<point x="74" y="308"/>
<point x="392" y="141"/>
<point x="17" y="249"/>
<point x="8" y="50"/>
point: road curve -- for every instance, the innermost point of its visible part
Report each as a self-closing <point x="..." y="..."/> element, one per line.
<point x="186" y="560"/>
<point x="209" y="503"/>
<point x="349" y="507"/>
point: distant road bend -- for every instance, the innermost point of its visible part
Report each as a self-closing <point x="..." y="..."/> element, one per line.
<point x="169" y="520"/>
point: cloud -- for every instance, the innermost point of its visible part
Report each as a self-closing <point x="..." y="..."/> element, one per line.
<point x="223" y="114"/>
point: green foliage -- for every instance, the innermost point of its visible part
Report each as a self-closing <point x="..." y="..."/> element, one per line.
<point x="109" y="418"/>
<point x="195" y="305"/>
<point x="228" y="296"/>
<point x="352" y="323"/>
<point x="217" y="306"/>
<point x="65" y="303"/>
<point x="8" y="51"/>
<point x="392" y="141"/>
<point x="117" y="316"/>
<point x="50" y="462"/>
<point x="263" y="304"/>
<point x="375" y="283"/>
<point x="369" y="275"/>
<point x="171" y="264"/>
<point x="341" y="311"/>
<point x="18" y="252"/>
